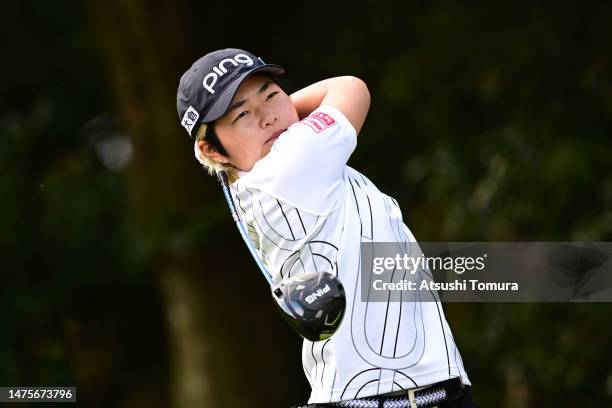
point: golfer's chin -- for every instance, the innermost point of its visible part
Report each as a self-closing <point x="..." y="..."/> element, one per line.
<point x="265" y="149"/>
<point x="247" y="165"/>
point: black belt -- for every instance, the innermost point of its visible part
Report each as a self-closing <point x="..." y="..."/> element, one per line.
<point x="427" y="397"/>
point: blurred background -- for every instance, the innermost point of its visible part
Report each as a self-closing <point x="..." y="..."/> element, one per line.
<point x="122" y="272"/>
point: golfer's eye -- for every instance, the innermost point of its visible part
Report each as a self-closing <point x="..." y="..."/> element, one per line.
<point x="272" y="95"/>
<point x="240" y="115"/>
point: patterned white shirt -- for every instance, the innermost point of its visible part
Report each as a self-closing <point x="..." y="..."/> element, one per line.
<point x="306" y="210"/>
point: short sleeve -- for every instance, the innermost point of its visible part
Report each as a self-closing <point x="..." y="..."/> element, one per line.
<point x="306" y="164"/>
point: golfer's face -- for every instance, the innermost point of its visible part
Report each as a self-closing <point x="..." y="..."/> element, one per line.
<point x="259" y="113"/>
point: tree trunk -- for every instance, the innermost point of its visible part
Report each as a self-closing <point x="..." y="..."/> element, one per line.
<point x="144" y="91"/>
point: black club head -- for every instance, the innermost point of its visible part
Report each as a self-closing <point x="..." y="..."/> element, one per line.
<point x="313" y="303"/>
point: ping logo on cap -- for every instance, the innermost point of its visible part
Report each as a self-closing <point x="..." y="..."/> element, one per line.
<point x="190" y="118"/>
<point x="211" y="78"/>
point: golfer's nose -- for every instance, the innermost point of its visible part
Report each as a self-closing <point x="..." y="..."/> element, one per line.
<point x="268" y="118"/>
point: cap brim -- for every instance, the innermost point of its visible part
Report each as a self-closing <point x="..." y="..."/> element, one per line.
<point x="224" y="100"/>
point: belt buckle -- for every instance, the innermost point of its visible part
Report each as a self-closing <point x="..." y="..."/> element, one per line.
<point x="412" y="398"/>
<point x="443" y="385"/>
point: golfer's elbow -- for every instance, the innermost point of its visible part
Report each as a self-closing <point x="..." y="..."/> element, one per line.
<point x="352" y="97"/>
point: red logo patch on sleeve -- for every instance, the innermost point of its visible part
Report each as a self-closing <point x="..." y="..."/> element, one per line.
<point x="318" y="121"/>
<point x="323" y="117"/>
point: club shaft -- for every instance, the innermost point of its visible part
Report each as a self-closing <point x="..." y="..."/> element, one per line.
<point x="222" y="175"/>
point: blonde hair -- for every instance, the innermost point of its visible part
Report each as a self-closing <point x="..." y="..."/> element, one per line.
<point x="210" y="165"/>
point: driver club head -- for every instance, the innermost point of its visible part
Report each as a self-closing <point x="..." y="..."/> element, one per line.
<point x="313" y="303"/>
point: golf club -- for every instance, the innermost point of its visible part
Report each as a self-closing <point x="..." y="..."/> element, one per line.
<point x="313" y="303"/>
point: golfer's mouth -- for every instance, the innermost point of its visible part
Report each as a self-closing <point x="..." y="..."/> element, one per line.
<point x="275" y="135"/>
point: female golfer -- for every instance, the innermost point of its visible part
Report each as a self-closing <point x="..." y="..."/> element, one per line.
<point x="306" y="210"/>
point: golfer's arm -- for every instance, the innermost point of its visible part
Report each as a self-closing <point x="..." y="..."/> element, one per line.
<point x="348" y="94"/>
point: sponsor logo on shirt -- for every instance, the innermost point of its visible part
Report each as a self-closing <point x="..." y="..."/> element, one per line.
<point x="318" y="121"/>
<point x="323" y="117"/>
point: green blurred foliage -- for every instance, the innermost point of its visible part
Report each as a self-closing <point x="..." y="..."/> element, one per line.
<point x="489" y="122"/>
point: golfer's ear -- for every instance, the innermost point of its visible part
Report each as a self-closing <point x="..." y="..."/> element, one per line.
<point x="209" y="151"/>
